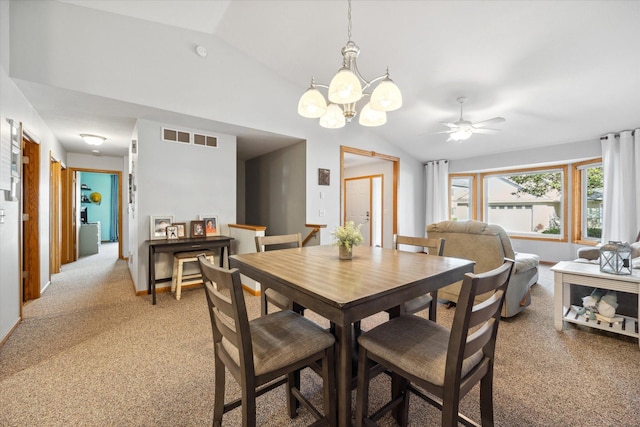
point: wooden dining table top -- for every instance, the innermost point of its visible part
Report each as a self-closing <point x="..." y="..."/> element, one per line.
<point x="371" y="278"/>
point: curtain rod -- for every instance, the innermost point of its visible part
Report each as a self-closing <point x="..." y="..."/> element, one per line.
<point x="617" y="134"/>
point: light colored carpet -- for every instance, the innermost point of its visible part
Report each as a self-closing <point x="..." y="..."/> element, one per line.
<point x="89" y="352"/>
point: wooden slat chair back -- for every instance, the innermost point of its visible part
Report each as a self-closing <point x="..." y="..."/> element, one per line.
<point x="257" y="361"/>
<point x="433" y="247"/>
<point x="446" y="363"/>
<point x="270" y="296"/>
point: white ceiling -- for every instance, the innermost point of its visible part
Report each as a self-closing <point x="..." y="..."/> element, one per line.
<point x="558" y="71"/>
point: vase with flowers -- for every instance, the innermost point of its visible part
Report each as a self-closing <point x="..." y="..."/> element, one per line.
<point x="346" y="238"/>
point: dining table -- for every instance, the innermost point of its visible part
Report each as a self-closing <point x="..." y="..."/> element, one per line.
<point x="346" y="291"/>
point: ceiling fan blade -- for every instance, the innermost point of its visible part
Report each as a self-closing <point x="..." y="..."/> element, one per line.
<point x="489" y="122"/>
<point x="444" y="131"/>
<point x="485" y="130"/>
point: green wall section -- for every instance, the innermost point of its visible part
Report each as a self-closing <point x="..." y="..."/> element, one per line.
<point x="100" y="182"/>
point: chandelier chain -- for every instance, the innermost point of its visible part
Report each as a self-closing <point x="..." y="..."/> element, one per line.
<point x="349" y="18"/>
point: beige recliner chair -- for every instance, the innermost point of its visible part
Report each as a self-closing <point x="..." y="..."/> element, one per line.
<point x="487" y="245"/>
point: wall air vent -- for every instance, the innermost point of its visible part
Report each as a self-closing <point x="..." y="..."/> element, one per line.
<point x="176" y="136"/>
<point x="206" y="140"/>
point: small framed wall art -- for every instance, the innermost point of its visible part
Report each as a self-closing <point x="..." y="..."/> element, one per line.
<point x="158" y="226"/>
<point x="324" y="177"/>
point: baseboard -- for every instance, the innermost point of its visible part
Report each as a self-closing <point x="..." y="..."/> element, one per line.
<point x="253" y="292"/>
<point x="13" y="328"/>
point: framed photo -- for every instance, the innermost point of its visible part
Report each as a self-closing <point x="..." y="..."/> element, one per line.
<point x="324" y="177"/>
<point x="211" y="225"/>
<point x="158" y="226"/>
<point x="182" y="229"/>
<point x="172" y="232"/>
<point x="197" y="229"/>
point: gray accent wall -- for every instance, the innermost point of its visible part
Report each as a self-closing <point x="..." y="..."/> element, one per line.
<point x="275" y="189"/>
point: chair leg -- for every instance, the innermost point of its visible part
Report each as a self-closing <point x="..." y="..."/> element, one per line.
<point x="433" y="306"/>
<point x="450" y="407"/>
<point x="174" y="275"/>
<point x="486" y="398"/>
<point x="248" y="405"/>
<point x="179" y="280"/>
<point x="263" y="303"/>
<point x="293" y="381"/>
<point x="362" y="401"/>
<point x="219" y="387"/>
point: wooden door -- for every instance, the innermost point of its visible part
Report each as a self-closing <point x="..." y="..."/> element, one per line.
<point x="358" y="205"/>
<point x="30" y="220"/>
<point x="55" y="226"/>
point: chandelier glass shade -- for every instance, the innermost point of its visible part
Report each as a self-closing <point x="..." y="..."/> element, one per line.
<point x="347" y="90"/>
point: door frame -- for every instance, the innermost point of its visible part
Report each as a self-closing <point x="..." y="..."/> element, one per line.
<point x="69" y="213"/>
<point x="30" y="230"/>
<point x="375" y="156"/>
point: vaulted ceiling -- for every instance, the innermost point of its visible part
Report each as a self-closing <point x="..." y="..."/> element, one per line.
<point x="557" y="71"/>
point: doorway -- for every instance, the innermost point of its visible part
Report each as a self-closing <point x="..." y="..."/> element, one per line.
<point x="375" y="164"/>
<point x="84" y="206"/>
<point x="363" y="204"/>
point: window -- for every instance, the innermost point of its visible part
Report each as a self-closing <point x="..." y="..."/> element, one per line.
<point x="588" y="188"/>
<point x="461" y="198"/>
<point x="527" y="203"/>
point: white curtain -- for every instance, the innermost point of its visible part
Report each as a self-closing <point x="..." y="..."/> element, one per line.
<point x="437" y="184"/>
<point x="621" y="199"/>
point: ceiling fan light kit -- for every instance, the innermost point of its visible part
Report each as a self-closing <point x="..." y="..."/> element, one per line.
<point x="346" y="89"/>
<point x="463" y="129"/>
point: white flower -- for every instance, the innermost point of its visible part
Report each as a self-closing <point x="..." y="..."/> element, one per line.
<point x="348" y="236"/>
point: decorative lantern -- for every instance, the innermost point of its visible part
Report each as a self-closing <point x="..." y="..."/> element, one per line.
<point x="615" y="258"/>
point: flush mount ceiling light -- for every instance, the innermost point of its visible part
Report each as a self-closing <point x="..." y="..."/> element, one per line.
<point x="93" y="139"/>
<point x="346" y="89"/>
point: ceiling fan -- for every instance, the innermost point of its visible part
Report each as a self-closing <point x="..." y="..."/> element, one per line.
<point x="463" y="129"/>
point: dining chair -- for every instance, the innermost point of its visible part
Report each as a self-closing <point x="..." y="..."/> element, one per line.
<point x="264" y="243"/>
<point x="438" y="364"/>
<point x="431" y="246"/>
<point x="263" y="353"/>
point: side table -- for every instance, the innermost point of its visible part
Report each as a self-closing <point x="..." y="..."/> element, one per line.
<point x="568" y="273"/>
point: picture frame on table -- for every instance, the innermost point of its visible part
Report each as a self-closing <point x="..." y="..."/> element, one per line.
<point x="182" y="229"/>
<point x="158" y="226"/>
<point x="211" y="224"/>
<point x="172" y="232"/>
<point x="197" y="229"/>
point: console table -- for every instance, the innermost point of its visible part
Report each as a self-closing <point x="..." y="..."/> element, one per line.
<point x="173" y="246"/>
<point x="575" y="273"/>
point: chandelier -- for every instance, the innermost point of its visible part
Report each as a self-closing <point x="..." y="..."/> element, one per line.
<point x="346" y="90"/>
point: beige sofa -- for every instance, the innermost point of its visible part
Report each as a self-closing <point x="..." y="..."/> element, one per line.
<point x="487" y="245"/>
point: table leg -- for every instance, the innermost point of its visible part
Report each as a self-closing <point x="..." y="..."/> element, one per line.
<point x="152" y="274"/>
<point x="221" y="256"/>
<point x="558" y="300"/>
<point x="343" y="373"/>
